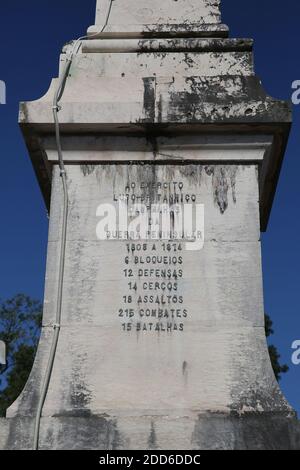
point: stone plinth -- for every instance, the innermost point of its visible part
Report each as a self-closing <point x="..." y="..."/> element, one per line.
<point x="162" y="343"/>
<point x="159" y="18"/>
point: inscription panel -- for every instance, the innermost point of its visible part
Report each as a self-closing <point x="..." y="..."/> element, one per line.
<point x="154" y="324"/>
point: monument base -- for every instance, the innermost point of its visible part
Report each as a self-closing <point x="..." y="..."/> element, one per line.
<point x="204" y="432"/>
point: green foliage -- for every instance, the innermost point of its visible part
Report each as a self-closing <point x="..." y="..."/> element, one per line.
<point x="274" y="354"/>
<point x="20" y="325"/>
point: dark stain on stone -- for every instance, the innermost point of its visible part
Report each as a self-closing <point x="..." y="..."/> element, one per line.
<point x="20" y="434"/>
<point x="80" y="395"/>
<point x="159" y="109"/>
<point x="193" y="172"/>
<point x="87" y="169"/>
<point x="223" y="177"/>
<point x="172" y="220"/>
<point x="114" y="438"/>
<point x="188" y="60"/>
<point x="184" y="29"/>
<point x="193" y="44"/>
<point x="210" y="99"/>
<point x="89" y="433"/>
<point x="152" y="142"/>
<point x="152" y="440"/>
<point x="220" y="188"/>
<point x="24" y="117"/>
<point x="220" y="431"/>
<point x="260" y="399"/>
<point x="149" y="98"/>
<point x="26" y="402"/>
<point x="257" y="173"/>
<point x="212" y="432"/>
<point x="233" y="169"/>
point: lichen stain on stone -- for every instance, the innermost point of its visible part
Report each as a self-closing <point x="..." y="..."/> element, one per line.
<point x="223" y="177"/>
<point x="50" y="438"/>
<point x="84" y="290"/>
<point x="168" y="173"/>
<point x="213" y="431"/>
<point x="87" y="169"/>
<point x="23" y="113"/>
<point x="15" y="429"/>
<point x="232" y="170"/>
<point x="80" y="397"/>
<point x="152" y="439"/>
<point x="260" y="399"/>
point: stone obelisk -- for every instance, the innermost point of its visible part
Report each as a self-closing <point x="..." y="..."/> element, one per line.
<point x="162" y="342"/>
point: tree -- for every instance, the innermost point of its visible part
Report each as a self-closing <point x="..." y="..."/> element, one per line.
<point x="20" y="326"/>
<point x="274" y="354"/>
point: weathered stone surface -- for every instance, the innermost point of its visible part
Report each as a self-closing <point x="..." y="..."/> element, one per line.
<point x="210" y="431"/>
<point x="157" y="12"/>
<point x="163" y="92"/>
<point x="218" y="365"/>
<point x="176" y="357"/>
<point x="95" y="282"/>
<point x="2" y="353"/>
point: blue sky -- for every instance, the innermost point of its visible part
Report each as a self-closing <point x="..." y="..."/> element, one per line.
<point x="33" y="33"/>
